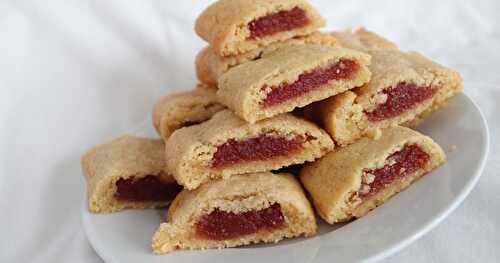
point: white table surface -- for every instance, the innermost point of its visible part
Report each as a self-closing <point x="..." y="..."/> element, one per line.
<point x="77" y="73"/>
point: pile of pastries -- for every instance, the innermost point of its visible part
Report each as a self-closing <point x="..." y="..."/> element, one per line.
<point x="287" y="123"/>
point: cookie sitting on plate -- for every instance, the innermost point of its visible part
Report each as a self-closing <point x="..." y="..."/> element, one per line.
<point x="128" y="172"/>
<point x="244" y="209"/>
<point x="226" y="145"/>
<point x="350" y="181"/>
<point x="403" y="89"/>
<point x="291" y="77"/>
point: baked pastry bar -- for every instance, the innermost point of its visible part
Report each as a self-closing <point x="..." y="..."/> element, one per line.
<point x="363" y="40"/>
<point x="210" y="66"/>
<point x="350" y="181"/>
<point x="404" y="87"/>
<point x="127" y="172"/>
<point x="244" y="209"/>
<point x="237" y="26"/>
<point x="290" y="77"/>
<point x="226" y="145"/>
<point x="183" y="109"/>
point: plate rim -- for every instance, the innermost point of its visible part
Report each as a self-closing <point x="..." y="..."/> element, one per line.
<point x="391" y="250"/>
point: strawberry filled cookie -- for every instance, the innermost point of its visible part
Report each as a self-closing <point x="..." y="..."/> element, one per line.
<point x="237" y="26"/>
<point x="226" y="145"/>
<point x="350" y="181"/>
<point x="127" y="172"/>
<point x="291" y="77"/>
<point x="244" y="209"/>
<point x="404" y="88"/>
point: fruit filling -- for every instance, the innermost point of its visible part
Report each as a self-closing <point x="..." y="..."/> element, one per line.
<point x="343" y="69"/>
<point x="222" y="225"/>
<point x="399" y="164"/>
<point x="277" y="22"/>
<point x="148" y="188"/>
<point x="400" y="98"/>
<point x="263" y="147"/>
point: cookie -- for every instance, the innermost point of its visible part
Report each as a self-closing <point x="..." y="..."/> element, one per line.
<point x="226" y="145"/>
<point x="290" y="77"/>
<point x="404" y="88"/>
<point x="233" y="27"/>
<point x="244" y="209"/>
<point x="128" y="172"/>
<point x="350" y="181"/>
<point x="363" y="40"/>
<point x="210" y="66"/>
<point x="184" y="109"/>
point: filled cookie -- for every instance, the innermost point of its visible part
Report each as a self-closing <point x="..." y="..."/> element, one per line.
<point x="184" y="109"/>
<point x="290" y="77"/>
<point x="363" y="40"/>
<point x="127" y="172"/>
<point x="210" y="66"/>
<point x="237" y="26"/>
<point x="244" y="209"/>
<point x="404" y="88"/>
<point x="350" y="181"/>
<point x="226" y="145"/>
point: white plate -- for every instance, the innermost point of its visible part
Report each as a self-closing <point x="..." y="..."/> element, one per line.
<point x="459" y="128"/>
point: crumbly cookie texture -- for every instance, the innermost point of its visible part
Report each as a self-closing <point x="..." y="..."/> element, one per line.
<point x="335" y="181"/>
<point x="345" y="116"/>
<point x="246" y="87"/>
<point x="123" y="158"/>
<point x="192" y="150"/>
<point x="183" y="109"/>
<point x="210" y="66"/>
<point x="238" y="194"/>
<point x="225" y="25"/>
<point x="363" y="40"/>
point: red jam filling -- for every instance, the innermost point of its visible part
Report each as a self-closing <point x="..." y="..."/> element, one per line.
<point x="277" y="22"/>
<point x="148" y="188"/>
<point x="262" y="147"/>
<point x="344" y="69"/>
<point x="221" y="225"/>
<point x="400" y="99"/>
<point x="400" y="164"/>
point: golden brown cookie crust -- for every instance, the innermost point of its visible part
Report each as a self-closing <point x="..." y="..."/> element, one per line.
<point x="125" y="157"/>
<point x="182" y="109"/>
<point x="224" y="24"/>
<point x="344" y="117"/>
<point x="363" y="40"/>
<point x="240" y="88"/>
<point x="333" y="180"/>
<point x="237" y="194"/>
<point x="210" y="66"/>
<point x="191" y="149"/>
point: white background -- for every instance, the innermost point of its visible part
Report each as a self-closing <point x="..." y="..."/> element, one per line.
<point x="77" y="73"/>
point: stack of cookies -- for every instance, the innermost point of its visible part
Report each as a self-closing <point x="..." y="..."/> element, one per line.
<point x="276" y="93"/>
